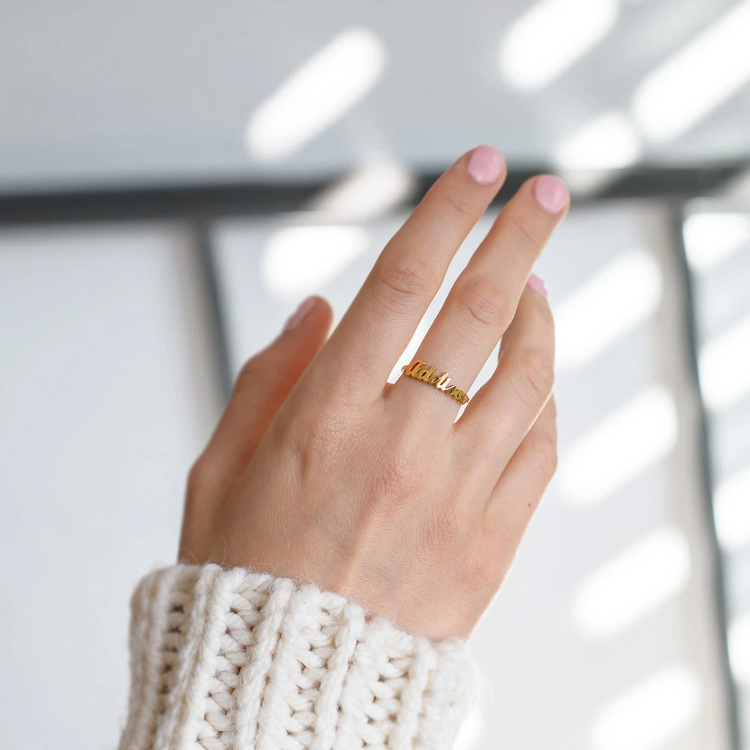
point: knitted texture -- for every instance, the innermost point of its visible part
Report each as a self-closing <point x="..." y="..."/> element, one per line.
<point x="234" y="659"/>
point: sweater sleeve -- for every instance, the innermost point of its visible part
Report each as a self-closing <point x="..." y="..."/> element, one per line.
<point x="232" y="659"/>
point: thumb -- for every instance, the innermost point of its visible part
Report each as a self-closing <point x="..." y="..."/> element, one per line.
<point x="261" y="387"/>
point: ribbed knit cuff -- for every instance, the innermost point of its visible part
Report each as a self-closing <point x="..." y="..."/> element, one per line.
<point x="230" y="658"/>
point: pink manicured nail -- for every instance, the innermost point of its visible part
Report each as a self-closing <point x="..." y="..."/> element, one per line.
<point x="551" y="192"/>
<point x="299" y="314"/>
<point x="486" y="164"/>
<point x="537" y="284"/>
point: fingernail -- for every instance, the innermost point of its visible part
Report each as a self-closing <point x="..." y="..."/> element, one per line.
<point x="537" y="284"/>
<point x="486" y="164"/>
<point x="299" y="314"/>
<point x="551" y="192"/>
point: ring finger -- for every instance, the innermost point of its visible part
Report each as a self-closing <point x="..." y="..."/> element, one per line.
<point x="483" y="301"/>
<point x="509" y="403"/>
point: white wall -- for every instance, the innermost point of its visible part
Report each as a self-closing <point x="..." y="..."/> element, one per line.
<point x="109" y="391"/>
<point x="107" y="395"/>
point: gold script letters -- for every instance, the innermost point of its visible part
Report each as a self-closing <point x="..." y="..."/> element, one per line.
<point x="419" y="371"/>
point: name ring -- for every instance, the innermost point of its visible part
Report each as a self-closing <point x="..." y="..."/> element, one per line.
<point x="419" y="371"/>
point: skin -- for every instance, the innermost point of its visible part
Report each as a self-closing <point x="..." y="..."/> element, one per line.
<point x="320" y="470"/>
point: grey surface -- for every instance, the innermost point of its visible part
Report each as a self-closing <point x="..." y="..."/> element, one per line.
<point x="115" y="92"/>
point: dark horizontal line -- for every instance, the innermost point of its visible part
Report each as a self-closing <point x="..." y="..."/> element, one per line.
<point x="210" y="201"/>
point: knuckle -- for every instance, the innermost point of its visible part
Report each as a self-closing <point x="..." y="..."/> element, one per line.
<point x="544" y="312"/>
<point x="249" y="374"/>
<point x="485" y="301"/>
<point x="318" y="439"/>
<point x="546" y="457"/>
<point x="398" y="478"/>
<point x="552" y="406"/>
<point x="535" y="376"/>
<point x="199" y="479"/>
<point x="518" y="226"/>
<point x="406" y="279"/>
<point x="457" y="205"/>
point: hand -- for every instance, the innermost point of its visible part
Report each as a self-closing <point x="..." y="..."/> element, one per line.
<point x="321" y="470"/>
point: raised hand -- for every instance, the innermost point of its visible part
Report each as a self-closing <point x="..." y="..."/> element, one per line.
<point x="321" y="470"/>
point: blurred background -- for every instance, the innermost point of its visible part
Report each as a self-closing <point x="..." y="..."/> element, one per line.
<point x="176" y="177"/>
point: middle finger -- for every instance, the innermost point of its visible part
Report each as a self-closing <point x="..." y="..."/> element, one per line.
<point x="484" y="298"/>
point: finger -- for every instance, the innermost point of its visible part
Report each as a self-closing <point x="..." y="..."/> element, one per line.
<point x="381" y="320"/>
<point x="263" y="384"/>
<point x="483" y="301"/>
<point x="517" y="494"/>
<point x="508" y="404"/>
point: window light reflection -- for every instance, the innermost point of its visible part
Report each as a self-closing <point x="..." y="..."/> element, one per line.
<point x="319" y="93"/>
<point x="651" y="713"/>
<point x="377" y="187"/>
<point x="633" y="584"/>
<point x="299" y="260"/>
<point x="732" y="510"/>
<point x="605" y="307"/>
<point x="725" y="366"/>
<point x="638" y="434"/>
<point x="712" y="237"/>
<point x="543" y="43"/>
<point x="695" y="81"/>
<point x="739" y="648"/>
<point x="608" y="141"/>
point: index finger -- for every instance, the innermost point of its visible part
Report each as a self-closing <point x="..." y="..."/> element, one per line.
<point x="381" y="320"/>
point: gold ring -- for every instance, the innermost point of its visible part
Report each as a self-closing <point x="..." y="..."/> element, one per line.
<point x="419" y="371"/>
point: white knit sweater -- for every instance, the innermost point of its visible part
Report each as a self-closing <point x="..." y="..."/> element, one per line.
<point x="234" y="659"/>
